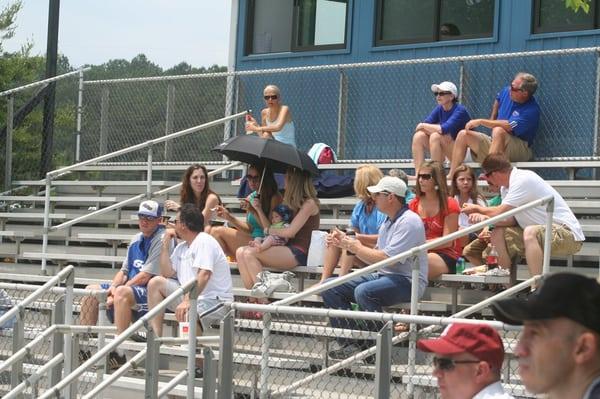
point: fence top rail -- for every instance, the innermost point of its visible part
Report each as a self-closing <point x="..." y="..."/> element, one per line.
<point x="41" y="82"/>
<point x="148" y="143"/>
<point x="412" y="252"/>
<point x="484" y="57"/>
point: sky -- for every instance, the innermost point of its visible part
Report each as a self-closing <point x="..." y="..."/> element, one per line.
<point x="95" y="31"/>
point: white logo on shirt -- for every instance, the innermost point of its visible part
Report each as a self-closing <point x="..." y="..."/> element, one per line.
<point x="138" y="263"/>
<point x="515" y="113"/>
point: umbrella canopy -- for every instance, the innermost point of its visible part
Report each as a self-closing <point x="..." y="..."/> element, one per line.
<point x="258" y="151"/>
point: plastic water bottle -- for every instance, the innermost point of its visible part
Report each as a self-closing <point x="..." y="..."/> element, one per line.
<point x="491" y="260"/>
<point x="460" y="265"/>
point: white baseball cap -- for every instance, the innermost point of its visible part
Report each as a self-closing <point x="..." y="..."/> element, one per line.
<point x="445" y="86"/>
<point x="150" y="208"/>
<point x="390" y="184"/>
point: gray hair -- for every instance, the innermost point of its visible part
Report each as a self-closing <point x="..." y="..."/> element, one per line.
<point x="529" y="82"/>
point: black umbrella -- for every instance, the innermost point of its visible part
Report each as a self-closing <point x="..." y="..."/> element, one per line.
<point x="258" y="151"/>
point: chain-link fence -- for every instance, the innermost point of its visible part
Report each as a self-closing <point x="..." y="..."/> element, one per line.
<point x="287" y="354"/>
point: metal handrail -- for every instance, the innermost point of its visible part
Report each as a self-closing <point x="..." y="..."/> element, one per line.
<point x="63" y="274"/>
<point x="415" y="251"/>
<point x="55" y="391"/>
<point x="42" y="82"/>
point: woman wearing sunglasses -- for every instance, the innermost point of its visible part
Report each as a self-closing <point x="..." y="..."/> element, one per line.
<point x="439" y="213"/>
<point x="276" y="119"/>
<point x="438" y="131"/>
<point x="241" y="232"/>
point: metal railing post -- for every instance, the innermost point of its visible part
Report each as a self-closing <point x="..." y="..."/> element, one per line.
<point x="461" y="81"/>
<point x="9" y="136"/>
<point x="597" y="111"/>
<point x="57" y="341"/>
<point x="264" y="360"/>
<point x="71" y="344"/>
<point x="104" y="105"/>
<point x="149" y="172"/>
<point x="209" y="376"/>
<point x="46" y="221"/>
<point x="18" y="341"/>
<point x="226" y="357"/>
<point x="79" y="113"/>
<point x="169" y="118"/>
<point x="342" y="115"/>
<point x="548" y="237"/>
<point x="384" y="362"/>
<point x="192" y="340"/>
<point x="152" y="362"/>
<point x="414" y="302"/>
<point x="71" y="358"/>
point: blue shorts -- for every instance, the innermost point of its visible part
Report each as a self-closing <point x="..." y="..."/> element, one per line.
<point x="300" y="256"/>
<point x="140" y="295"/>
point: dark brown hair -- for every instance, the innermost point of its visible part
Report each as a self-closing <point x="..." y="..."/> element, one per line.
<point x="496" y="162"/>
<point x="268" y="189"/>
<point x="187" y="194"/>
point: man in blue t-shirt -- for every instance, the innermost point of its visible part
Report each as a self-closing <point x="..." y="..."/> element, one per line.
<point x="127" y="293"/>
<point x="514" y="123"/>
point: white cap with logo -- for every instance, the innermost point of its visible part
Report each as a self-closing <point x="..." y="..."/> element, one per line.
<point x="150" y="208"/>
<point x="389" y="184"/>
<point x="445" y="86"/>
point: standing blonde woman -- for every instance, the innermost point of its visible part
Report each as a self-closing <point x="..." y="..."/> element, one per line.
<point x="276" y="119"/>
<point x="365" y="221"/>
<point x="300" y="196"/>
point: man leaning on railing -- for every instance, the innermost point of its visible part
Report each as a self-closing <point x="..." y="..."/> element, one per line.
<point x="402" y="230"/>
<point x="127" y="293"/>
<point x="523" y="234"/>
<point x="199" y="256"/>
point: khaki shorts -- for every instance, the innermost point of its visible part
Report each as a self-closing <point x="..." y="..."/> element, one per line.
<point x="517" y="150"/>
<point x="563" y="241"/>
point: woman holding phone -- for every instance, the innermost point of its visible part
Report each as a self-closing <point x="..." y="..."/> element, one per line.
<point x="241" y="232"/>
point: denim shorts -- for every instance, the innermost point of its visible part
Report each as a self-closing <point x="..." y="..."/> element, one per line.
<point x="300" y="256"/>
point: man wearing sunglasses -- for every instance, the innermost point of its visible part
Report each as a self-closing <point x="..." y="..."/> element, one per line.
<point x="514" y="123"/>
<point x="523" y="234"/>
<point x="559" y="348"/>
<point x="128" y="293"/>
<point x="468" y="361"/>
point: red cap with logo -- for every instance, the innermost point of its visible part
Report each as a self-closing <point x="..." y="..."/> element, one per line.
<point x="479" y="340"/>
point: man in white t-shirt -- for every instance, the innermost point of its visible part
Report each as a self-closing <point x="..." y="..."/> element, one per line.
<point x="523" y="234"/>
<point x="199" y="256"/>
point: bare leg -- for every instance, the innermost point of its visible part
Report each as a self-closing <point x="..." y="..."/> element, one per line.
<point x="156" y="293"/>
<point x="332" y="256"/>
<point x="497" y="239"/>
<point x="534" y="253"/>
<point x="230" y="239"/>
<point x="89" y="308"/>
<point x="435" y="146"/>
<point x="420" y="144"/>
<point x="266" y="243"/>
<point x="124" y="301"/>
<point x="250" y="262"/>
<point x="447" y="146"/>
<point x="437" y="266"/>
<point x="499" y="141"/>
<point x="465" y="139"/>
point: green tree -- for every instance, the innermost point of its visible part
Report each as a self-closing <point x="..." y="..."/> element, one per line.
<point x="575" y="5"/>
<point x="8" y="16"/>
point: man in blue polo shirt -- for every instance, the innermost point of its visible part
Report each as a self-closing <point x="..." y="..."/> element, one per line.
<point x="514" y="123"/>
<point x="128" y="293"/>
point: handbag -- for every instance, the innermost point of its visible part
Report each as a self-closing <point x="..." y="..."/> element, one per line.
<point x="267" y="283"/>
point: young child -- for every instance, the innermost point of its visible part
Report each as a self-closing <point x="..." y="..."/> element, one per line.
<point x="281" y="216"/>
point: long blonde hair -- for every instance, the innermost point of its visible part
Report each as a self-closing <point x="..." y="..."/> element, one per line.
<point x="365" y="176"/>
<point x="298" y="188"/>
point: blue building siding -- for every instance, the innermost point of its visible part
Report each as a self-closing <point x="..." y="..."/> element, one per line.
<point x="385" y="103"/>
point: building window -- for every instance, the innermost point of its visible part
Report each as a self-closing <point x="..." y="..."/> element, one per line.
<point x="409" y="21"/>
<point x="275" y="26"/>
<point x="553" y="16"/>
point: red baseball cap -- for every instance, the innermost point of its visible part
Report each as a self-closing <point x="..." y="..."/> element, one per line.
<point x="479" y="340"/>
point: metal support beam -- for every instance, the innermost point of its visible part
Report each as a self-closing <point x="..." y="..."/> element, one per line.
<point x="384" y="362"/>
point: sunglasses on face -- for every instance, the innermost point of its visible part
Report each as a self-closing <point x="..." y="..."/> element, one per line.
<point x="384" y="193"/>
<point x="273" y="97"/>
<point x="147" y="218"/>
<point x="252" y="177"/>
<point x="424" y="176"/>
<point x="441" y="93"/>
<point x="447" y="364"/>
